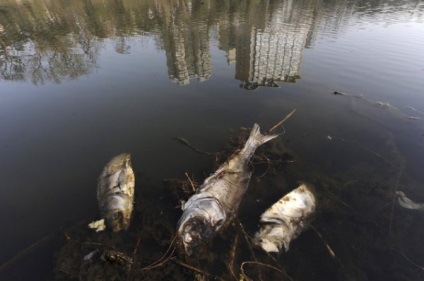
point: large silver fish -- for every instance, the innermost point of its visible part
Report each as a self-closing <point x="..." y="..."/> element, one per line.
<point x="115" y="192"/>
<point x="284" y="220"/>
<point x="219" y="196"/>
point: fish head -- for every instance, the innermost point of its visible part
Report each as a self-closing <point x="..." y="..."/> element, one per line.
<point x="200" y="221"/>
<point x="273" y="237"/>
<point x="116" y="209"/>
<point x="119" y="162"/>
<point x="194" y="232"/>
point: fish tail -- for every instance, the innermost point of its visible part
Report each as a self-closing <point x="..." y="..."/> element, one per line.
<point x="260" y="138"/>
<point x="256" y="139"/>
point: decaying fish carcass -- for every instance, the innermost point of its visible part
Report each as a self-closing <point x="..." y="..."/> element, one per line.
<point x="115" y="192"/>
<point x="219" y="196"/>
<point x="284" y="220"/>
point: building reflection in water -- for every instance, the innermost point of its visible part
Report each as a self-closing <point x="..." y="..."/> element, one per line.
<point x="60" y="40"/>
<point x="270" y="51"/>
<point x="185" y="33"/>
<point x="188" y="54"/>
<point x="267" y="46"/>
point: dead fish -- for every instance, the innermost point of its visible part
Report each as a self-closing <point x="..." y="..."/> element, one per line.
<point x="115" y="192"/>
<point x="285" y="220"/>
<point x="218" y="197"/>
<point x="408" y="203"/>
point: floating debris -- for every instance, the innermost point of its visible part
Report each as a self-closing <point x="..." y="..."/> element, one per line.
<point x="285" y="220"/>
<point x="219" y="196"/>
<point x="115" y="192"/>
<point x="383" y="104"/>
<point x="97" y="225"/>
<point x="90" y="255"/>
<point x="337" y="93"/>
<point x="407" y="203"/>
<point x="117" y="257"/>
<point x="340" y="93"/>
<point x="415" y="110"/>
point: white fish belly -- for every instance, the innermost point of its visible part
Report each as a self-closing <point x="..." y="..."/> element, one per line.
<point x="284" y="220"/>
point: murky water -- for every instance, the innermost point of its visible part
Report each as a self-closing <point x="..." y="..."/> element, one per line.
<point x="84" y="80"/>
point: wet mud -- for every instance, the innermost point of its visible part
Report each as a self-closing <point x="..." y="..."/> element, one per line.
<point x="357" y="233"/>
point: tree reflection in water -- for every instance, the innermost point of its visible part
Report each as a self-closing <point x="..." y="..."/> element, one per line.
<point x="54" y="41"/>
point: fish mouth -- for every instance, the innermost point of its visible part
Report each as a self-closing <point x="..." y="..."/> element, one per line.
<point x="188" y="248"/>
<point x="194" y="232"/>
<point x="202" y="217"/>
<point x="117" y="219"/>
<point x="117" y="210"/>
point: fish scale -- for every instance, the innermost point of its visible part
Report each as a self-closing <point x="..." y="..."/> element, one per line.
<point x="115" y="192"/>
<point x="219" y="196"/>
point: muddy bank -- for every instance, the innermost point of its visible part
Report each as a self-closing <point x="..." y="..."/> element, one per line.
<point x="358" y="232"/>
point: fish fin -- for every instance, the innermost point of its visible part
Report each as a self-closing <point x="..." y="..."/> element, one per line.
<point x="255" y="140"/>
<point x="256" y="134"/>
<point x="128" y="161"/>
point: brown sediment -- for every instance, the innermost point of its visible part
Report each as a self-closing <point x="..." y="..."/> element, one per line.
<point x="353" y="209"/>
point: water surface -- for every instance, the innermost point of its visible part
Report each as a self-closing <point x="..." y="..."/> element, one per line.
<point x="84" y="80"/>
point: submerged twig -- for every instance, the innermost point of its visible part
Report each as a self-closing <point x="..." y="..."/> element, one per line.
<point x="408" y="259"/>
<point x="233" y="256"/>
<point x="192" y="267"/>
<point x="248" y="239"/>
<point x="162" y="260"/>
<point x="186" y="143"/>
<point x="339" y="200"/>
<point x="362" y="147"/>
<point x="249" y="244"/>
<point x="260" y="264"/>
<point x="267" y="162"/>
<point x="69" y="238"/>
<point x="136" y="246"/>
<point x="281" y="122"/>
<point x="330" y="251"/>
<point x="28" y="250"/>
<point x="134" y="257"/>
<point x="191" y="182"/>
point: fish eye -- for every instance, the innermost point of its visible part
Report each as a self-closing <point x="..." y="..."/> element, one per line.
<point x="187" y="238"/>
<point x="117" y="215"/>
<point x="219" y="222"/>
